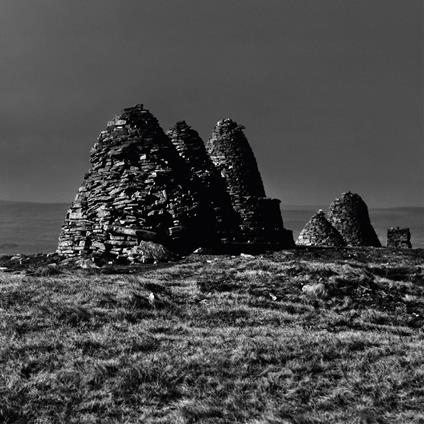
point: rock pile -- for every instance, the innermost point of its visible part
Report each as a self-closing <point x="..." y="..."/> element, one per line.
<point x="319" y="232"/>
<point x="138" y="189"/>
<point x="207" y="182"/>
<point x="148" y="195"/>
<point x="399" y="238"/>
<point x="259" y="216"/>
<point x="347" y="224"/>
<point x="349" y="215"/>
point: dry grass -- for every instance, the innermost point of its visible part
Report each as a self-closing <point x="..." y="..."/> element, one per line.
<point x="226" y="340"/>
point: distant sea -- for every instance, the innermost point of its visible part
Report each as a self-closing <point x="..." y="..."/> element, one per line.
<point x="34" y="227"/>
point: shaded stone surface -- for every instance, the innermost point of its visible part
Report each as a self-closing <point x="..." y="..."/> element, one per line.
<point x="399" y="238"/>
<point x="349" y="215"/>
<point x="260" y="217"/>
<point x="319" y="232"/>
<point x="208" y="183"/>
<point x="138" y="189"/>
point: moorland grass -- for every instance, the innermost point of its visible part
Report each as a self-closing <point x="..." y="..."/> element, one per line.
<point x="225" y="340"/>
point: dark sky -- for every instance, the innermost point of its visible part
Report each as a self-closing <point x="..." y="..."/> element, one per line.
<point x="330" y="91"/>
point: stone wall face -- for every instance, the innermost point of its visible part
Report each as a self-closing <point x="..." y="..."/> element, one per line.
<point x="208" y="184"/>
<point x="349" y="215"/>
<point x="319" y="232"/>
<point x="399" y="238"/>
<point x="138" y="188"/>
<point x="260" y="217"/>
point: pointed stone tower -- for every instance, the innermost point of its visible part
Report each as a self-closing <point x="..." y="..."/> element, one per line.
<point x="208" y="184"/>
<point x="319" y="232"/>
<point x="349" y="215"/>
<point x="260" y="217"/>
<point x="138" y="189"/>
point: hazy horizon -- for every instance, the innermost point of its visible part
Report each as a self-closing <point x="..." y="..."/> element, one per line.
<point x="285" y="205"/>
<point x="34" y="227"/>
<point x="330" y="92"/>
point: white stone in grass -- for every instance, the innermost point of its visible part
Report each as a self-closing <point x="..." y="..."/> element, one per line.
<point x="315" y="290"/>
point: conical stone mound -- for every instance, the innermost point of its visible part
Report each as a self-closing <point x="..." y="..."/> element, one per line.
<point x="319" y="232"/>
<point x="349" y="215"/>
<point x="138" y="189"/>
<point x="207" y="182"/>
<point x="260" y="217"/>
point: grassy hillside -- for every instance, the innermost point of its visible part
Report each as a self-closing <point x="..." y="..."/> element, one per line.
<point x="314" y="336"/>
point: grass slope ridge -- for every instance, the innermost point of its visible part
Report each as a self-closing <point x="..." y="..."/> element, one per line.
<point x="309" y="336"/>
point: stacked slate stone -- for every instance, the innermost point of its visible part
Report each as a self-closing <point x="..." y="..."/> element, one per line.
<point x="208" y="183"/>
<point x="319" y="232"/>
<point x="138" y="190"/>
<point x="348" y="214"/>
<point x="399" y="238"/>
<point x="259" y="216"/>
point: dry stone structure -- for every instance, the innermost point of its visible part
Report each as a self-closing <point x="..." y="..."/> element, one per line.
<point x="208" y="183"/>
<point x="399" y="238"/>
<point x="138" y="189"/>
<point x="319" y="232"/>
<point x="348" y="214"/>
<point x="259" y="216"/>
<point x="147" y="195"/>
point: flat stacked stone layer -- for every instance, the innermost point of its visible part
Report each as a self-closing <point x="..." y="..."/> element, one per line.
<point x="260" y="217"/>
<point x="399" y="238"/>
<point x="349" y="215"/>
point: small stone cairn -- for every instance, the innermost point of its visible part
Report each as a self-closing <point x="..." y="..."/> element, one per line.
<point x="349" y="216"/>
<point x="399" y="238"/>
<point x="347" y="224"/>
<point x="319" y="232"/>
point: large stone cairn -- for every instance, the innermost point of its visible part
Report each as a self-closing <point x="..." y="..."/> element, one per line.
<point x="208" y="183"/>
<point x="319" y="232"/>
<point x="138" y="189"/>
<point x="399" y="238"/>
<point x="148" y="195"/>
<point x="349" y="216"/>
<point x="259" y="216"/>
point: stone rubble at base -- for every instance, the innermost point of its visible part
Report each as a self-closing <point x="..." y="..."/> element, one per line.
<point x="146" y="186"/>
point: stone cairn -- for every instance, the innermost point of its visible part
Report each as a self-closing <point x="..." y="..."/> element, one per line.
<point x="146" y="193"/>
<point x="207" y="182"/>
<point x="138" y="189"/>
<point x="259" y="216"/>
<point x="399" y="238"/>
<point x="319" y="232"/>
<point x="348" y="214"/>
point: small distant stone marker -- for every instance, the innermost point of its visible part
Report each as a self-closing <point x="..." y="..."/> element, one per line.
<point x="399" y="238"/>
